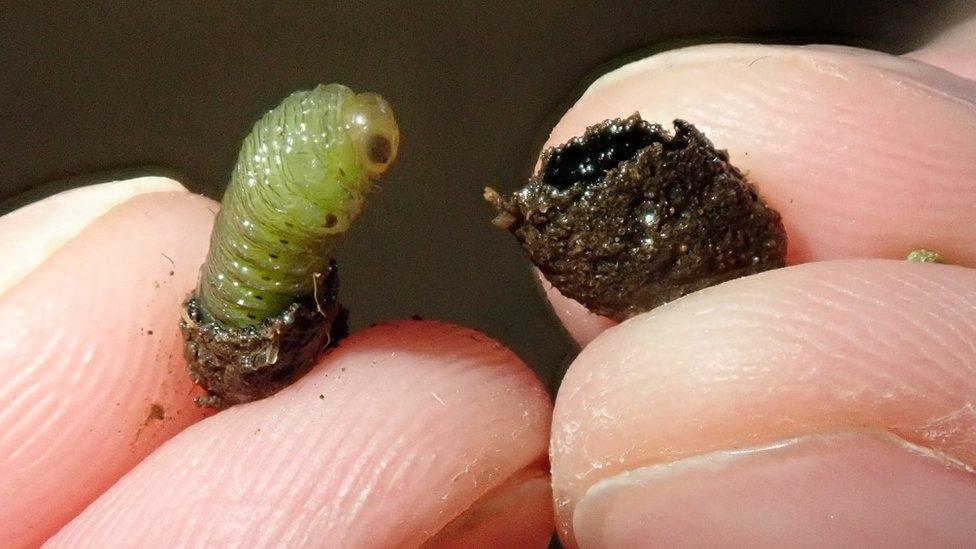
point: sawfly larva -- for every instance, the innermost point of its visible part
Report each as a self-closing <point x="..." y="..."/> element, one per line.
<point x="300" y="180"/>
<point x="266" y="300"/>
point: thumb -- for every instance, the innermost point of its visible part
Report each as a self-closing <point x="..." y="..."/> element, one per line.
<point x="826" y="404"/>
<point x="953" y="49"/>
<point x="822" y="133"/>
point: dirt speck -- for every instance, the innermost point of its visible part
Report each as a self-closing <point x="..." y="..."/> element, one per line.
<point x="156" y="412"/>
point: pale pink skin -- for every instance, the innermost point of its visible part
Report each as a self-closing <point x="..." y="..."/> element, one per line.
<point x="90" y="343"/>
<point x="826" y="404"/>
<point x="818" y="347"/>
<point x="864" y="154"/>
<point x="392" y="437"/>
<point x="423" y="431"/>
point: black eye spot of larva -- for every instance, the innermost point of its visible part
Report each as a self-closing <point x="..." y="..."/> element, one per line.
<point x="330" y="221"/>
<point x="379" y="149"/>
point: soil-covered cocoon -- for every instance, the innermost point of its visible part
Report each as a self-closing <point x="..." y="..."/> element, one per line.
<point x="627" y="217"/>
<point x="243" y="364"/>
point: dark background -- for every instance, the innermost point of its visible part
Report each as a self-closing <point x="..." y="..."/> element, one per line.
<point x="93" y="94"/>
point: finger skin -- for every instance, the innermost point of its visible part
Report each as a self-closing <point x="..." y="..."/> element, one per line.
<point x="581" y="324"/>
<point x="786" y="353"/>
<point x="852" y="489"/>
<point x="32" y="233"/>
<point x="864" y="154"/>
<point x="390" y="439"/>
<point x="953" y="50"/>
<point x="91" y="359"/>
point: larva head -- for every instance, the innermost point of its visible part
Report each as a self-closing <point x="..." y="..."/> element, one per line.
<point x="372" y="129"/>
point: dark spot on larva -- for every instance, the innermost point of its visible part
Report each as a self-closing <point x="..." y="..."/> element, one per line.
<point x="289" y="224"/>
<point x="252" y="317"/>
<point x="283" y="241"/>
<point x="379" y="149"/>
<point x="150" y="332"/>
<point x="321" y="397"/>
<point x="258" y="297"/>
<point x="627" y="217"/>
<point x="265" y="278"/>
<point x="330" y="221"/>
<point x="273" y="256"/>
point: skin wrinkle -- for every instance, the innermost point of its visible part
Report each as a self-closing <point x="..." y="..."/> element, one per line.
<point x="914" y="280"/>
<point x="941" y="428"/>
<point x="884" y="341"/>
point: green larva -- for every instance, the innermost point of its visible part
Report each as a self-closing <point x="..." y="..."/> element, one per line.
<point x="300" y="180"/>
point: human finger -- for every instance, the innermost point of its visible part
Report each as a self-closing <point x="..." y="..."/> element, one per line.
<point x="407" y="433"/>
<point x="762" y="382"/>
<point x="864" y="154"/>
<point x="91" y="353"/>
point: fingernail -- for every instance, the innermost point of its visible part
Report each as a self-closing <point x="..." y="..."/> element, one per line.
<point x="853" y="488"/>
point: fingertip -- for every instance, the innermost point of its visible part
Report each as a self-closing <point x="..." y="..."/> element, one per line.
<point x="92" y="355"/>
<point x="953" y="49"/>
<point x="30" y="234"/>
<point x="819" y="131"/>
<point x="398" y="432"/>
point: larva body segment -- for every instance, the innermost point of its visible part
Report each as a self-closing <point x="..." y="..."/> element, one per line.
<point x="295" y="190"/>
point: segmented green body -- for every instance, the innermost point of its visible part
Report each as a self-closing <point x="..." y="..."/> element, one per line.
<point x="297" y="186"/>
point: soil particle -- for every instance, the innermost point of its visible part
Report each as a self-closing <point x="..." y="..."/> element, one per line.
<point x="239" y="365"/>
<point x="156" y="412"/>
<point x="628" y="217"/>
<point x="922" y="255"/>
